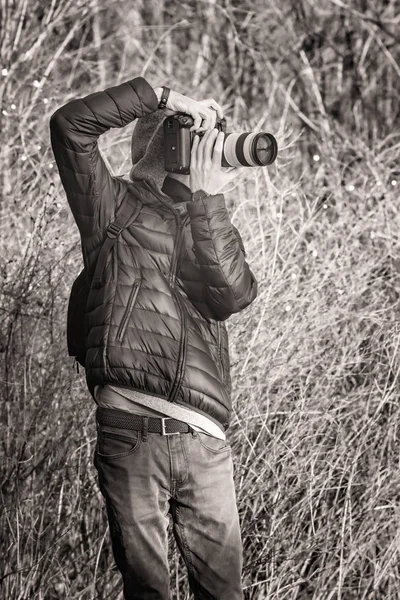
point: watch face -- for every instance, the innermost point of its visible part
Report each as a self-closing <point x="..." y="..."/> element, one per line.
<point x="199" y="194"/>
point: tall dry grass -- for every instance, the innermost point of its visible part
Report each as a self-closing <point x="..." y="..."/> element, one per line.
<point x="315" y="428"/>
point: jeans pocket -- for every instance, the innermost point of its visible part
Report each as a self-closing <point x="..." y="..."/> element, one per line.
<point x="112" y="445"/>
<point x="213" y="444"/>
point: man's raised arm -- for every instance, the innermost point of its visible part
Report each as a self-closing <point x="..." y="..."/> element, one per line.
<point x="74" y="131"/>
<point x="229" y="284"/>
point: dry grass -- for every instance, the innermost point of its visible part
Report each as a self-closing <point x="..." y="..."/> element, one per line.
<point x="314" y="359"/>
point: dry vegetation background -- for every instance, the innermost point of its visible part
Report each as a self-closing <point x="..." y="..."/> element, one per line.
<point x="315" y="359"/>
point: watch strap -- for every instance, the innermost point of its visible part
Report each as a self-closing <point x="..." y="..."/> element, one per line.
<point x="164" y="97"/>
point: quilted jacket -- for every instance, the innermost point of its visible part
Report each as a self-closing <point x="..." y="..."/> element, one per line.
<point x="175" y="275"/>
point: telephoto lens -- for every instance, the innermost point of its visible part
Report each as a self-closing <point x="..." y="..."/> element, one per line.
<point x="249" y="150"/>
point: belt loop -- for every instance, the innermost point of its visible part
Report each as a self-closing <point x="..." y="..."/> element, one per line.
<point x="145" y="427"/>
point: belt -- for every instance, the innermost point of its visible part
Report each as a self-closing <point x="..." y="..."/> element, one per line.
<point x="125" y="420"/>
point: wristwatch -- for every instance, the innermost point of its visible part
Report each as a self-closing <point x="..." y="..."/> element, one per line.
<point x="164" y="97"/>
<point x="199" y="195"/>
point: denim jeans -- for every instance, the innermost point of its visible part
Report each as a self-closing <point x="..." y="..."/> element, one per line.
<point x="143" y="477"/>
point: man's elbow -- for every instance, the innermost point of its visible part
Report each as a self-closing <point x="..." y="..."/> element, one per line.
<point x="63" y="117"/>
<point x="251" y="293"/>
<point x="57" y="122"/>
<point x="54" y="119"/>
<point x="232" y="305"/>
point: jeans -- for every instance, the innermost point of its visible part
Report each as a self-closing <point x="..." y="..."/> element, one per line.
<point x="143" y="477"/>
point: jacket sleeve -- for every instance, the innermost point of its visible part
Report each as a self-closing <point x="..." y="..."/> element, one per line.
<point x="74" y="131"/>
<point x="229" y="284"/>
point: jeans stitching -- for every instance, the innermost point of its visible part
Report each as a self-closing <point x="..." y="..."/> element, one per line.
<point x="188" y="554"/>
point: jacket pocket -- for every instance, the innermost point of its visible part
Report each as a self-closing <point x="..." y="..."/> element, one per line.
<point x="128" y="310"/>
<point x="220" y="349"/>
<point x="224" y="358"/>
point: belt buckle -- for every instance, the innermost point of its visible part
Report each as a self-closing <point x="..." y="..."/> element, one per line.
<point x="163" y="432"/>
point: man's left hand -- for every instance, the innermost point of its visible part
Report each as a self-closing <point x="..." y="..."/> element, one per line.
<point x="206" y="172"/>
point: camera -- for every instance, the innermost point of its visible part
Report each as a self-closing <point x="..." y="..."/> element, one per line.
<point x="239" y="149"/>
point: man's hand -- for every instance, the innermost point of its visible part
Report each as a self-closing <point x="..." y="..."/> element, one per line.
<point x="204" y="112"/>
<point x="206" y="172"/>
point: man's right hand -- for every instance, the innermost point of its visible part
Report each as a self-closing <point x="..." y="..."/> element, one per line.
<point x="204" y="112"/>
<point x="206" y="172"/>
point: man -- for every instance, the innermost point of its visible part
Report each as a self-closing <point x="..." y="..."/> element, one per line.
<point x="157" y="360"/>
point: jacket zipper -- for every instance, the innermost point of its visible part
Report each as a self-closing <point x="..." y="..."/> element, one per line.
<point x="180" y="370"/>
<point x="179" y="244"/>
<point x="131" y="301"/>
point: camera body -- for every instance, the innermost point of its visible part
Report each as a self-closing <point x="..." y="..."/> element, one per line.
<point x="239" y="149"/>
<point x="178" y="141"/>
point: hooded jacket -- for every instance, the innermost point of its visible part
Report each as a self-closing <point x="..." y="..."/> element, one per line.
<point x="174" y="276"/>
